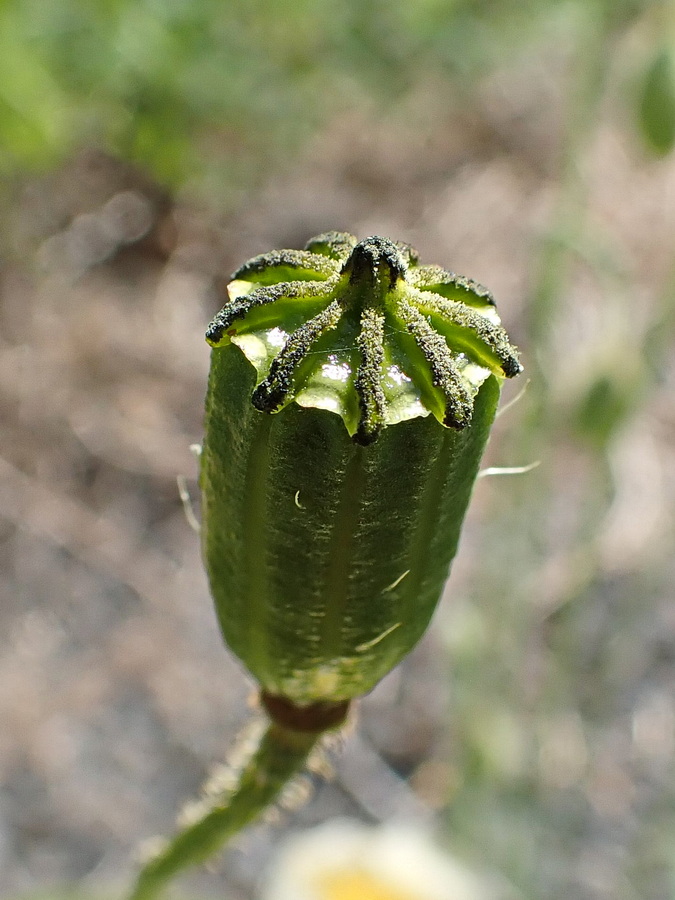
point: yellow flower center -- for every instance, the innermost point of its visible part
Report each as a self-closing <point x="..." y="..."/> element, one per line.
<point x="356" y="884"/>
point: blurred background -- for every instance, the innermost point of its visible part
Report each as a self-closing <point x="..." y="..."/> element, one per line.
<point x="147" y="148"/>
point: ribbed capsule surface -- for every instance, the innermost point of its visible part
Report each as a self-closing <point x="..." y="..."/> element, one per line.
<point x="350" y="399"/>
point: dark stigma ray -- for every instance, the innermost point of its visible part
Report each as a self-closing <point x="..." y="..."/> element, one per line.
<point x="262" y="296"/>
<point x="436" y="279"/>
<point x="478" y="327"/>
<point x="266" y="263"/>
<point x="336" y="245"/>
<point x="272" y="392"/>
<point x="445" y="374"/>
<point x="368" y="381"/>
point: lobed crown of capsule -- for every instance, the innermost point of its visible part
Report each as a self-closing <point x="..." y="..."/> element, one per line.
<point x="363" y="330"/>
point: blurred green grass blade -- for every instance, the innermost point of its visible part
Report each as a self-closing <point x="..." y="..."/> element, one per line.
<point x="657" y="103"/>
<point x="35" y="114"/>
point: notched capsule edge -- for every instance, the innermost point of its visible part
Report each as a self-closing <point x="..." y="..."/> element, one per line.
<point x="367" y="287"/>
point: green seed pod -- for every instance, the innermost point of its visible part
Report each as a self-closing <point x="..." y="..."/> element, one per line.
<point x="350" y="399"/>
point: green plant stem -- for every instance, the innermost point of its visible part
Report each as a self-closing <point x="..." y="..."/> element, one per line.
<point x="280" y="754"/>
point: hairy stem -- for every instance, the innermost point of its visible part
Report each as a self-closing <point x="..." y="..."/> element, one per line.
<point x="280" y="754"/>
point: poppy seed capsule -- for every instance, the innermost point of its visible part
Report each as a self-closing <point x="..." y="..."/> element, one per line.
<point x="350" y="398"/>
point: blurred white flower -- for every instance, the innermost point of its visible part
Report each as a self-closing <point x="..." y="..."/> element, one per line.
<point x="345" y="860"/>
